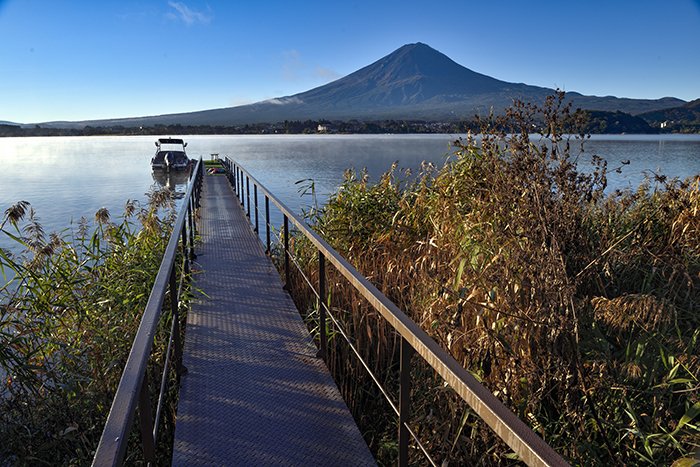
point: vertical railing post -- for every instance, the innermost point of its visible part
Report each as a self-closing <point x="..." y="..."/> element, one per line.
<point x="255" y="196"/>
<point x="174" y="309"/>
<point x="197" y="185"/>
<point x="197" y="189"/>
<point x="287" y="285"/>
<point x="322" y="352"/>
<point x="404" y="400"/>
<point x="146" y="422"/>
<point x="267" y="224"/>
<point x="240" y="177"/>
<point x="234" y="171"/>
<point x="174" y="339"/>
<point x="247" y="195"/>
<point x="185" y="250"/>
<point x="190" y="221"/>
<point x="201" y="183"/>
<point x="230" y="175"/>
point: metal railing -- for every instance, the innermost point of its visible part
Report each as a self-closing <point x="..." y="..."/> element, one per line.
<point x="134" y="387"/>
<point x="525" y="443"/>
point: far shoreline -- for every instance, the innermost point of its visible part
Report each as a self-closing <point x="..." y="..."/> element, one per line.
<point x="610" y="125"/>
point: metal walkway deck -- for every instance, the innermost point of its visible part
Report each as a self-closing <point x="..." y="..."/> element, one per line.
<point x="254" y="393"/>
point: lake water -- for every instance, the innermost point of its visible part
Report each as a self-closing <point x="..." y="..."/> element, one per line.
<point x="65" y="178"/>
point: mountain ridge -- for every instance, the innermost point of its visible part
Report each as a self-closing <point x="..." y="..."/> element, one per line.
<point x="413" y="82"/>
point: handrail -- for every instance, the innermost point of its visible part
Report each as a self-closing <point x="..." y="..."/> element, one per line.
<point x="131" y="390"/>
<point x="524" y="442"/>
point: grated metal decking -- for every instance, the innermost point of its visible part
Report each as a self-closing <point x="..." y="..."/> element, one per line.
<point x="254" y="393"/>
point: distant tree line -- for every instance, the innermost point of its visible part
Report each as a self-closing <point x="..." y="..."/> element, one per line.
<point x="599" y="122"/>
<point x="286" y="127"/>
<point x="593" y="122"/>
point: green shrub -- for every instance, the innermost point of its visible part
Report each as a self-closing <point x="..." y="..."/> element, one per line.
<point x="69" y="308"/>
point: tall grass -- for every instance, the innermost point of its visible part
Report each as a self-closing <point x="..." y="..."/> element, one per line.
<point x="69" y="308"/>
<point x="579" y="310"/>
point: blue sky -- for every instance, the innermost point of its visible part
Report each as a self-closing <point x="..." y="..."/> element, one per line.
<point x="75" y="60"/>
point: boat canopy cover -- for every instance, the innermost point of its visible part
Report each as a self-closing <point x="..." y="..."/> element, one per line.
<point x="170" y="141"/>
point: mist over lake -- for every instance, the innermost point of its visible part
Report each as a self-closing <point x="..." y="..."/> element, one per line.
<point x="67" y="178"/>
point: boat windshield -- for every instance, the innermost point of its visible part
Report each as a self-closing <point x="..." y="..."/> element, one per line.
<point x="167" y="147"/>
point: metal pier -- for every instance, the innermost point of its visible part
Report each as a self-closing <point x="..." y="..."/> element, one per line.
<point x="254" y="392"/>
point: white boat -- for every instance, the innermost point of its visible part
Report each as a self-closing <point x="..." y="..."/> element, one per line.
<point x="170" y="155"/>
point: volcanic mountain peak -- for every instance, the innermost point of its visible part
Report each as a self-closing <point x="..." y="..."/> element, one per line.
<point x="415" y="82"/>
<point x="409" y="62"/>
<point x="410" y="75"/>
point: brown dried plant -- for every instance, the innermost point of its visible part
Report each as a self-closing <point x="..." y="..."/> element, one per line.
<point x="577" y="309"/>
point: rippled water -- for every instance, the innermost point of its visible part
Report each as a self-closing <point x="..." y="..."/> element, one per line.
<point x="65" y="178"/>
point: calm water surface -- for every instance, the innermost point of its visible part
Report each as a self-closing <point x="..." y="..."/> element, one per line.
<point x="67" y="178"/>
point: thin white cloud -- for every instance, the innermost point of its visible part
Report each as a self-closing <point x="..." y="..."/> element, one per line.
<point x="187" y="15"/>
<point x="284" y="101"/>
<point x="327" y="73"/>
